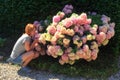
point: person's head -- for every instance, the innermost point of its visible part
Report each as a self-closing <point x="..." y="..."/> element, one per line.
<point x="30" y="29"/>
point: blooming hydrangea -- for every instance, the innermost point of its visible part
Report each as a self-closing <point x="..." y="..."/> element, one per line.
<point x="76" y="37"/>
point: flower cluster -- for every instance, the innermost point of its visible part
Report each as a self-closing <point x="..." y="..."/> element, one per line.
<point x="75" y="37"/>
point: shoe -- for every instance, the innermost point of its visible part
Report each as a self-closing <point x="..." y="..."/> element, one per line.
<point x="17" y="62"/>
<point x="25" y="70"/>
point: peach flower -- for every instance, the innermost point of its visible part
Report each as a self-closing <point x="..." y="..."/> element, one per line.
<point x="53" y="40"/>
<point x="101" y="37"/>
<point x="61" y="14"/>
<point x="61" y="62"/>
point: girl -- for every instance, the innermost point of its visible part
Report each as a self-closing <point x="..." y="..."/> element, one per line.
<point x="23" y="51"/>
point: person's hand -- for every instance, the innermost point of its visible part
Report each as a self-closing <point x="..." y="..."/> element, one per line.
<point x="36" y="40"/>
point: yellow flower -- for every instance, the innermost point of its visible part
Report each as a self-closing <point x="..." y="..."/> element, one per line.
<point x="72" y="56"/>
<point x="55" y="56"/>
<point x="66" y="41"/>
<point x="71" y="62"/>
<point x="75" y="42"/>
<point x="79" y="44"/>
<point x="94" y="45"/>
<point x="48" y="37"/>
<point x="77" y="57"/>
<point x="60" y="52"/>
<point x="89" y="37"/>
<point x="70" y="32"/>
<point x="42" y="39"/>
<point x="105" y="42"/>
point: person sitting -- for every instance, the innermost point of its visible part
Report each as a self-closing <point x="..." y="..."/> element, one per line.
<point x="25" y="49"/>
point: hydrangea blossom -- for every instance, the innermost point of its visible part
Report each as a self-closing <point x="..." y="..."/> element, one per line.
<point x="76" y="37"/>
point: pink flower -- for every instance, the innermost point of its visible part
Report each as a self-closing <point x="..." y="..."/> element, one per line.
<point x="84" y="16"/>
<point x="56" y="18"/>
<point x="93" y="31"/>
<point x="79" y="53"/>
<point x="51" y="29"/>
<point x="65" y="58"/>
<point x="76" y="28"/>
<point x="86" y="27"/>
<point x="85" y="48"/>
<point x="94" y="55"/>
<point x="51" y="50"/>
<point x="84" y="39"/>
<point x="80" y="20"/>
<point x="88" y="21"/>
<point x="74" y="20"/>
<point x="37" y="35"/>
<point x="57" y="35"/>
<point x="110" y="33"/>
<point x="67" y="22"/>
<point x="68" y="50"/>
<point x="81" y="32"/>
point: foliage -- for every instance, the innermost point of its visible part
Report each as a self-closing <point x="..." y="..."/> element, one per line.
<point x="2" y="41"/>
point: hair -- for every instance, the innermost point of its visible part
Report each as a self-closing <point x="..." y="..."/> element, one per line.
<point x="29" y="28"/>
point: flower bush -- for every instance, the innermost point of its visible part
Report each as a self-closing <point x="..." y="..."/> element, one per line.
<point x="77" y="36"/>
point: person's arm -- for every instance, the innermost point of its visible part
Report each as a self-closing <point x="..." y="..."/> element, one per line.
<point x="29" y="46"/>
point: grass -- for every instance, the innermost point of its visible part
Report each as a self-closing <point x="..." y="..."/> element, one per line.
<point x="104" y="66"/>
